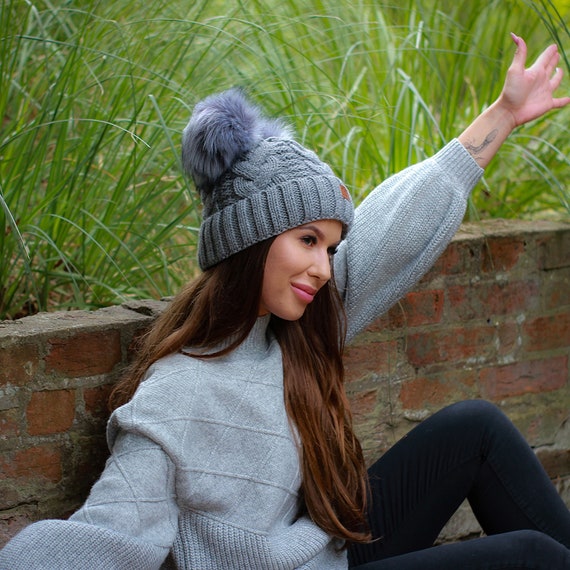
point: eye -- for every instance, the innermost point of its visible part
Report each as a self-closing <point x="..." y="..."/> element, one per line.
<point x="309" y="240"/>
<point x="332" y="250"/>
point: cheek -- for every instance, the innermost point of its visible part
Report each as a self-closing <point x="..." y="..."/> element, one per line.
<point x="281" y="259"/>
<point x="271" y="293"/>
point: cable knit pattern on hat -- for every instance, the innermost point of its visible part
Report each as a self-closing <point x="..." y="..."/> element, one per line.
<point x="279" y="185"/>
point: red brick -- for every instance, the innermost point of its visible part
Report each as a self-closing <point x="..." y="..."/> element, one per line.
<point x="418" y="392"/>
<point x="96" y="401"/>
<point x="370" y="357"/>
<point x="555" y="288"/>
<point x="502" y="253"/>
<point x="417" y="308"/>
<point x="50" y="412"/>
<point x="18" y="364"/>
<point x="512" y="297"/>
<point x="32" y="463"/>
<point x="452" y="261"/>
<point x="451" y="345"/>
<point x="460" y="302"/>
<point x="554" y="250"/>
<point x="84" y="354"/>
<point x="488" y="299"/>
<point x="530" y="377"/>
<point x="546" y="333"/>
<point x="363" y="404"/>
<point x="382" y="323"/>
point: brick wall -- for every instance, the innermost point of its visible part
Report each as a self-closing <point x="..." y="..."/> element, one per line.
<point x="491" y="320"/>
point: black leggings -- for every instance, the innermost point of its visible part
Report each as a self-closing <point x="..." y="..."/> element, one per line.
<point x="467" y="450"/>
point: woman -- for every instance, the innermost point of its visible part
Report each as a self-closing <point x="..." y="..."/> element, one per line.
<point x="232" y="442"/>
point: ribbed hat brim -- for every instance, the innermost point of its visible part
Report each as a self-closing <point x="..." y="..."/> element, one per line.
<point x="269" y="213"/>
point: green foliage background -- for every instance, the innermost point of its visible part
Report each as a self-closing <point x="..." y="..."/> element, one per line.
<point x="94" y="96"/>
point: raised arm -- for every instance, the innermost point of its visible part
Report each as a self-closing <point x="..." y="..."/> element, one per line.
<point x="527" y="94"/>
<point x="403" y="226"/>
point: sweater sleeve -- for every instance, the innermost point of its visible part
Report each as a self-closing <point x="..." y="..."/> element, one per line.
<point x="400" y="230"/>
<point x="68" y="545"/>
<point x="128" y="522"/>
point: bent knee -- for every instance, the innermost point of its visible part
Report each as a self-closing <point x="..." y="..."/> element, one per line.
<point x="537" y="546"/>
<point x="476" y="410"/>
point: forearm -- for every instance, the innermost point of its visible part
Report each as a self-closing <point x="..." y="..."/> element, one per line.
<point x="485" y="135"/>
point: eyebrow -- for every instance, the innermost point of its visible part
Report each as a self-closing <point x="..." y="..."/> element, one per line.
<point x="319" y="233"/>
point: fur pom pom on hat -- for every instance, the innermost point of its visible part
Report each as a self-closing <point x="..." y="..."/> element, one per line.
<point x="255" y="181"/>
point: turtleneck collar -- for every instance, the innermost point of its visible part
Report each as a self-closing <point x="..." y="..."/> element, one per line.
<point x="259" y="337"/>
<point x="257" y="342"/>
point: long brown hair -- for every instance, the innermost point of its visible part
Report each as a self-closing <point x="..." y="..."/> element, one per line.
<point x="207" y="314"/>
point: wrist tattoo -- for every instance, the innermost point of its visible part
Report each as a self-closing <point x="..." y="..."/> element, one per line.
<point x="477" y="150"/>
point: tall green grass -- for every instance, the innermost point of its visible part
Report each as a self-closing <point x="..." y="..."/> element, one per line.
<point x="94" y="95"/>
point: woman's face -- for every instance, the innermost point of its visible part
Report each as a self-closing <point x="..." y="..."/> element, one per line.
<point x="298" y="265"/>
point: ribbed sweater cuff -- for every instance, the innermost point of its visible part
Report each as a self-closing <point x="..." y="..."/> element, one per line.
<point x="456" y="160"/>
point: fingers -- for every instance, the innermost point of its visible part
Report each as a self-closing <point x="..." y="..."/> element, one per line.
<point x="548" y="59"/>
<point x="556" y="78"/>
<point x="519" y="59"/>
<point x="560" y="102"/>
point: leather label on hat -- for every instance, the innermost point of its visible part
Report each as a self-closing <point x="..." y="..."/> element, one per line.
<point x="344" y="192"/>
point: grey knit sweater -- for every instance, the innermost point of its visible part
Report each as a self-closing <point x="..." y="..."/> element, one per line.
<point x="204" y="472"/>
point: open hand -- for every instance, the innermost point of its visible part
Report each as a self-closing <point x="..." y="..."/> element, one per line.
<point x="528" y="93"/>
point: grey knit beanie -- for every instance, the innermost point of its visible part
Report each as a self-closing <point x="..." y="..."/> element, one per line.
<point x="255" y="182"/>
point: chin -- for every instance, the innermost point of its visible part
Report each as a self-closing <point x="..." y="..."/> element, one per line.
<point x="289" y="315"/>
<point x="291" y="318"/>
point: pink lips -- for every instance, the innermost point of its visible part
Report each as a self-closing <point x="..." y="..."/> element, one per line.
<point x="304" y="292"/>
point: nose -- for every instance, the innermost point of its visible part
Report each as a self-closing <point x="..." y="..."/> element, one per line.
<point x="321" y="267"/>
